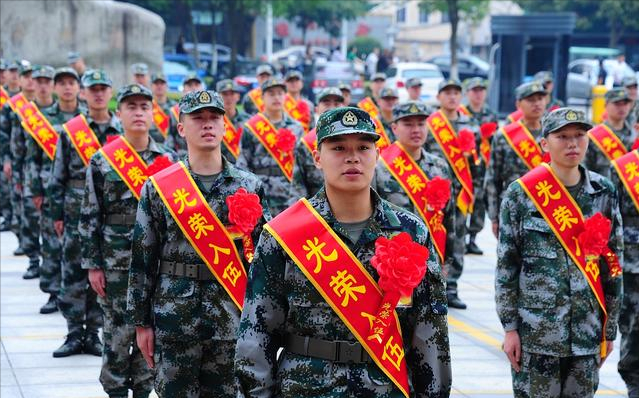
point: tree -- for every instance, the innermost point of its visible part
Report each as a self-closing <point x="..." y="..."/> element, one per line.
<point x="469" y="10"/>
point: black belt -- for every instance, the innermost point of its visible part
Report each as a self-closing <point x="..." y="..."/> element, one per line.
<point x="336" y="351"/>
<point x="273" y="170"/>
<point x="193" y="271"/>
<point x="74" y="183"/>
<point x="120" y="219"/>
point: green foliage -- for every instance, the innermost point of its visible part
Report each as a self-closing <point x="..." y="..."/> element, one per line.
<point x="327" y="14"/>
<point x="469" y="10"/>
<point x="364" y="45"/>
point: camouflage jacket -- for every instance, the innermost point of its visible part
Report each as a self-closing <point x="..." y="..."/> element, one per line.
<point x="539" y="291"/>
<point x="554" y="102"/>
<point x="255" y="158"/>
<point x="38" y="165"/>
<point x="597" y="161"/>
<point x="5" y="131"/>
<point x="105" y="244"/>
<point x="154" y="131"/>
<point x="68" y="166"/>
<point x="238" y="122"/>
<point x="389" y="189"/>
<point x="307" y="179"/>
<point x="630" y="216"/>
<point x="248" y="105"/>
<point x="485" y="115"/>
<point x="387" y="128"/>
<point x="504" y="167"/>
<point x="180" y="307"/>
<point x="280" y="300"/>
<point x="633" y="115"/>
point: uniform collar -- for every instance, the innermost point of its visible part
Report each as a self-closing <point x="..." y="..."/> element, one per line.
<point x="229" y="171"/>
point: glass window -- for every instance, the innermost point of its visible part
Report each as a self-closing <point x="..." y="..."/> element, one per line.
<point x="401" y="15"/>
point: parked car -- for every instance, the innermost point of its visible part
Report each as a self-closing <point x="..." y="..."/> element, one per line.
<point x="175" y="73"/>
<point x="332" y="73"/>
<point x="583" y="74"/>
<point x="467" y="66"/>
<point x="430" y="75"/>
<point x="290" y="57"/>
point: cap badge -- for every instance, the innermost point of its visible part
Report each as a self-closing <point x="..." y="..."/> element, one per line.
<point x="135" y="89"/>
<point x="413" y="109"/>
<point x="204" y="98"/>
<point x="571" y="116"/>
<point x="96" y="75"/>
<point x="349" y="119"/>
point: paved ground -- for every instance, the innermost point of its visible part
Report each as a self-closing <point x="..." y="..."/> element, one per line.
<point x="27" y="339"/>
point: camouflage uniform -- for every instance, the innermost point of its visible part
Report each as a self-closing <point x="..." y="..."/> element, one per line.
<point x="238" y="122"/>
<point x="194" y="321"/>
<point x="11" y="197"/>
<point x="597" y="161"/>
<point x="247" y="103"/>
<point x="307" y="179"/>
<point x="629" y="319"/>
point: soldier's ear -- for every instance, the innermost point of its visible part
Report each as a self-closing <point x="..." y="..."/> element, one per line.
<point x="544" y="144"/>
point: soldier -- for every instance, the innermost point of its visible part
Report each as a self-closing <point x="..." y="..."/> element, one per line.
<point x="13" y="78"/>
<point x="192" y="82"/>
<point x="630" y="84"/>
<point x="140" y="73"/>
<point x="66" y="86"/>
<point x="449" y="96"/>
<point x="409" y="127"/>
<point x="308" y="179"/>
<point x="252" y="102"/>
<point x="106" y="228"/>
<point x="388" y="98"/>
<point x="615" y="136"/>
<point x="547" y="80"/>
<point x="5" y="187"/>
<point x="75" y="60"/>
<point x="3" y="72"/>
<point x="268" y="143"/>
<point x="515" y="148"/>
<point x="230" y="93"/>
<point x="183" y="306"/>
<point x="345" y="88"/>
<point x="77" y="301"/>
<point x="283" y="308"/>
<point x="547" y="291"/>
<point x="378" y="81"/>
<point x="414" y="89"/>
<point x="164" y="125"/>
<point x="480" y="114"/>
<point x="624" y="175"/>
<point x="297" y="107"/>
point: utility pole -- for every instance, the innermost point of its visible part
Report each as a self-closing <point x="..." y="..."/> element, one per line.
<point x="269" y="31"/>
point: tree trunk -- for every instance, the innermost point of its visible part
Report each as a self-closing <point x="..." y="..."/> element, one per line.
<point x="237" y="29"/>
<point x="196" y="52"/>
<point x="213" y="68"/>
<point x="613" y="33"/>
<point x="453" y="15"/>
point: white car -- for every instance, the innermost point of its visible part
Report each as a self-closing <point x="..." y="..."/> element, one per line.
<point x="430" y="75"/>
<point x="583" y="74"/>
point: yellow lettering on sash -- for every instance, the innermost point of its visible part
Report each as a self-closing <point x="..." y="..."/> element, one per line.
<point x="342" y="283"/>
<point x="543" y="190"/>
<point x="564" y="217"/>
<point x="182" y="197"/>
<point x="393" y="352"/>
<point x="199" y="226"/>
<point x="313" y="248"/>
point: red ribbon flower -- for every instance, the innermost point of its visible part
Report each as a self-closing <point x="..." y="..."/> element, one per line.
<point x="593" y="240"/>
<point x="488" y="129"/>
<point x="245" y="210"/>
<point x="285" y="140"/>
<point x="160" y="163"/>
<point x="401" y="265"/>
<point x="437" y="193"/>
<point x="466" y="142"/>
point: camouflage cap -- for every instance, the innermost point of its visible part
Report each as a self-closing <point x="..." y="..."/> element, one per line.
<point x="65" y="71"/>
<point x="13" y="65"/>
<point x="388" y="92"/>
<point x="475" y="82"/>
<point x="140" y="69"/>
<point x="378" y="76"/>
<point x="158" y="76"/>
<point x="3" y="64"/>
<point x="329" y="92"/>
<point x="448" y="83"/>
<point x="344" y="120"/>
<point x="413" y="82"/>
<point x="45" y="71"/>
<point x="73" y="57"/>
<point x="94" y="77"/>
<point x="527" y="89"/>
<point x="131" y="90"/>
<point x="617" y="94"/>
<point x="544" y="76"/>
<point x="629" y="81"/>
<point x="562" y="117"/>
<point x="196" y="100"/>
<point x="264" y="68"/>
<point x="24" y="67"/>
<point x="273" y="82"/>
<point x="344" y="87"/>
<point x="293" y="74"/>
<point x="227" y="85"/>
<point x="410" y="108"/>
<point x="191" y="76"/>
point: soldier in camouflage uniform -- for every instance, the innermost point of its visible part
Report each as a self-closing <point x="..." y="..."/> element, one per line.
<point x="105" y="229"/>
<point x="191" y="82"/>
<point x="185" y="322"/>
<point x="77" y="301"/>
<point x="294" y="85"/>
<point x="255" y="158"/>
<point x="551" y="317"/>
<point x="388" y="98"/>
<point x="630" y="84"/>
<point x="547" y="80"/>
<point x="449" y="97"/>
<point x="140" y="72"/>
<point x="618" y="106"/>
<point x="307" y="178"/>
<point x="629" y="318"/>
<point x="378" y="80"/>
<point x="414" y="89"/>
<point x="230" y="93"/>
<point x="505" y="166"/>
<point x="38" y="175"/>
<point x="409" y="127"/>
<point x="282" y="307"/>
<point x="480" y="113"/>
<point x="5" y="187"/>
<point x="263" y="73"/>
<point x="159" y="88"/>
<point x="345" y="88"/>
<point x="75" y="61"/>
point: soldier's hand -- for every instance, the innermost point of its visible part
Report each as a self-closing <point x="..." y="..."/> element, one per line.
<point x="6" y="169"/>
<point x="98" y="281"/>
<point x="59" y="227"/>
<point x="512" y="348"/>
<point x="145" y="339"/>
<point x="609" y="346"/>
<point x="496" y="229"/>
<point x="37" y="202"/>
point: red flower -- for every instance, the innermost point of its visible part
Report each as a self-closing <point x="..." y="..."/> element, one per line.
<point x="244" y="210"/>
<point x="593" y="240"/>
<point x="285" y="140"/>
<point x="111" y="137"/>
<point x="635" y="145"/>
<point x="400" y="263"/>
<point x="466" y="140"/>
<point x="160" y="163"/>
<point x="546" y="157"/>
<point x="302" y="106"/>
<point x="437" y="193"/>
<point x="488" y="129"/>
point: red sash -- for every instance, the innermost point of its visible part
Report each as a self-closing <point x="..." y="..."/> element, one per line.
<point x="345" y="284"/>
<point x="369" y="106"/>
<point x="627" y="167"/>
<point x="4" y="96"/>
<point x="202" y="228"/>
<point x="127" y="163"/>
<point x="607" y="141"/>
<point x="232" y="137"/>
<point x="82" y="137"/>
<point x="310" y="141"/>
<point x="161" y="119"/>
<point x="256" y="96"/>
<point x="523" y="143"/>
<point x="35" y="123"/>
<point x="564" y="217"/>
<point x="413" y="180"/>
<point x="515" y="116"/>
<point x="552" y="108"/>
<point x="464" y="110"/>
<point x="266" y="133"/>
<point x="447" y="139"/>
<point x="175" y="110"/>
<point x="292" y="108"/>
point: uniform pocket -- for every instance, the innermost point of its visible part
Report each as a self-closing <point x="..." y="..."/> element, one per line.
<point x="538" y="239"/>
<point x="176" y="309"/>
